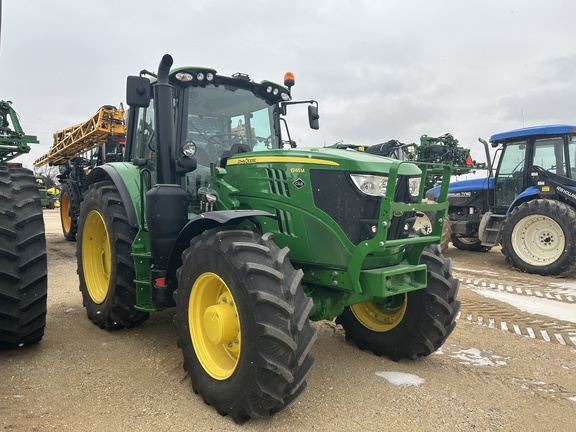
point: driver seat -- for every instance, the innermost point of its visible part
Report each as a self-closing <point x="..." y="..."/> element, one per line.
<point x="236" y="148"/>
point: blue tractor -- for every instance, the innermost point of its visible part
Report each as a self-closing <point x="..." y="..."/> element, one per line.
<point x="527" y="205"/>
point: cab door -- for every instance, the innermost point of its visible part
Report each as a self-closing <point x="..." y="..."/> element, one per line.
<point x="510" y="177"/>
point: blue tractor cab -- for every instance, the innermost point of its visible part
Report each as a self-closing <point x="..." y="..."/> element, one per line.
<point x="527" y="205"/>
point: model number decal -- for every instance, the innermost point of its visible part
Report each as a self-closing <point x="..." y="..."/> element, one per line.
<point x="297" y="170"/>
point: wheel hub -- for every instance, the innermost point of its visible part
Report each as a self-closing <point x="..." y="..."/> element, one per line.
<point x="220" y="323"/>
<point x="546" y="238"/>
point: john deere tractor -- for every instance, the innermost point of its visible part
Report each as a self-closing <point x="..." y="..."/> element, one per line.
<point x="23" y="265"/>
<point x="215" y="212"/>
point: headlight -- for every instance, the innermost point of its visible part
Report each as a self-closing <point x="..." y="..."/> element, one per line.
<point x="414" y="186"/>
<point x="188" y="148"/>
<point x="184" y="76"/>
<point x="370" y="184"/>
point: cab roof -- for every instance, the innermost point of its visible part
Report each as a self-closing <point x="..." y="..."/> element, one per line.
<point x="531" y="131"/>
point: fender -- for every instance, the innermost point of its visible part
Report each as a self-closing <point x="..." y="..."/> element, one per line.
<point x="527" y="194"/>
<point x="111" y="171"/>
<point x="203" y="222"/>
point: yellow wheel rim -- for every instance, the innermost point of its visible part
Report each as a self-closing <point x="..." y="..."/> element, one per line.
<point x="377" y="318"/>
<point x="64" y="212"/>
<point x="214" y="326"/>
<point x="96" y="257"/>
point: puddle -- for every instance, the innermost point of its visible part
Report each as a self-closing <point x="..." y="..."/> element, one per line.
<point x="401" y="379"/>
<point x="473" y="356"/>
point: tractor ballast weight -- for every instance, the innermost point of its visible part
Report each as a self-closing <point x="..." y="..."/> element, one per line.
<point x="249" y="241"/>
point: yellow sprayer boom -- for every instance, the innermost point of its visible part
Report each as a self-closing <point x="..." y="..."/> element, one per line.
<point x="75" y="140"/>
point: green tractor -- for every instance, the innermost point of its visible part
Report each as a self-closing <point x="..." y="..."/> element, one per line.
<point x="23" y="264"/>
<point x="46" y="197"/>
<point x="215" y="212"/>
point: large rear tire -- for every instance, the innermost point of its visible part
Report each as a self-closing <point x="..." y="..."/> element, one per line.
<point x="409" y="325"/>
<point x="70" y="199"/>
<point x="105" y="266"/>
<point x="538" y="237"/>
<point x="243" y="323"/>
<point x="23" y="264"/>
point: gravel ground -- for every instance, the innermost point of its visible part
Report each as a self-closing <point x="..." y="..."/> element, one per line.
<point x="82" y="378"/>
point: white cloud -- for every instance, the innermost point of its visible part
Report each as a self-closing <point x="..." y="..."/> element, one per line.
<point x="380" y="70"/>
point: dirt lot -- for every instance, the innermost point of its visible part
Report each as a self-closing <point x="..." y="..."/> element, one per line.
<point x="488" y="376"/>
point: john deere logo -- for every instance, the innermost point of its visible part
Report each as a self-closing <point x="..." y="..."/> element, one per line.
<point x="299" y="183"/>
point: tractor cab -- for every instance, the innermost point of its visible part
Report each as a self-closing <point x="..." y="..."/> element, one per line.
<point x="552" y="148"/>
<point x="216" y="117"/>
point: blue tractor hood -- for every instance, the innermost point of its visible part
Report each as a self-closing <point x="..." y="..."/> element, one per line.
<point x="457" y="187"/>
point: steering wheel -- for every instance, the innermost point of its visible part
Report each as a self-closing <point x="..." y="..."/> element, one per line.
<point x="216" y="145"/>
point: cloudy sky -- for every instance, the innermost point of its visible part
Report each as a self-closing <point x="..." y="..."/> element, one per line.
<point x="379" y="69"/>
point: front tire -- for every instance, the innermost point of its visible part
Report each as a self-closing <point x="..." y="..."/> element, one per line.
<point x="105" y="266"/>
<point x="538" y="238"/>
<point x="410" y="325"/>
<point x="472" y="244"/>
<point x="23" y="263"/>
<point x="243" y="323"/>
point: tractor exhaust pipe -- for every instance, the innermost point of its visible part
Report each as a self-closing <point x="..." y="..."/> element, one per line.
<point x="164" y="123"/>
<point x="164" y="68"/>
<point x="166" y="202"/>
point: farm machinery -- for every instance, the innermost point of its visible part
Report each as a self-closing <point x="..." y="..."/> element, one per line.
<point x="436" y="151"/>
<point x="47" y="198"/>
<point x="217" y="212"/>
<point x="444" y="149"/>
<point x="528" y="205"/>
<point x="23" y="264"/>
<point x="76" y="150"/>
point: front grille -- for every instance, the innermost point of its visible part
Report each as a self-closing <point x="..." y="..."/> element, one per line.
<point x="352" y="210"/>
<point x="278" y="182"/>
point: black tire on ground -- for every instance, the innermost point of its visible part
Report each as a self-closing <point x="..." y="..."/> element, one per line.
<point x="538" y="238"/>
<point x="105" y="267"/>
<point x="472" y="244"/>
<point x="243" y="323"/>
<point x="70" y="199"/>
<point x="23" y="264"/>
<point x="412" y="325"/>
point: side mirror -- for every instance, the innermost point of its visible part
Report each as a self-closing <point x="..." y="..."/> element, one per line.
<point x="138" y="91"/>
<point x="313" y="117"/>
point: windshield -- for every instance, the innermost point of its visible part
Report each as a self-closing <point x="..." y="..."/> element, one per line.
<point x="222" y="121"/>
<point x="220" y="117"/>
